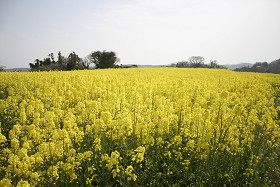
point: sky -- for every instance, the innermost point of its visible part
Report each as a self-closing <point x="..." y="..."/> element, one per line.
<point x="157" y="32"/>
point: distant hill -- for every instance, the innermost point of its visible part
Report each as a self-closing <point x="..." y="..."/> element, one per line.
<point x="146" y="66"/>
<point x="18" y="69"/>
<point x="262" y="67"/>
<point x="240" y="65"/>
<point x="227" y="66"/>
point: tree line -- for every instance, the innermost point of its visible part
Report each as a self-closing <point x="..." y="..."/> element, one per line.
<point x="104" y="59"/>
<point x="101" y="59"/>
<point x="108" y="59"/>
<point x="262" y="67"/>
<point x="197" y="62"/>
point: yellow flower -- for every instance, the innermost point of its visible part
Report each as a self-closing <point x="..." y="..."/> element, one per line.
<point x="167" y="154"/>
<point x="139" y="154"/>
<point x="2" y="138"/>
<point x="6" y="182"/>
<point x="23" y="183"/>
<point x="59" y="124"/>
<point x="15" y="143"/>
<point x="128" y="171"/>
<point x="177" y="140"/>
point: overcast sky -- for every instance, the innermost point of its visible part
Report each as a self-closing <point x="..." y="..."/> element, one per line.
<point x="140" y="31"/>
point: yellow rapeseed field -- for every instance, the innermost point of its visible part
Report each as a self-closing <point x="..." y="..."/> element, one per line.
<point x="139" y="127"/>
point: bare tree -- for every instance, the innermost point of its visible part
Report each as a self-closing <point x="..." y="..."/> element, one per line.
<point x="196" y="61"/>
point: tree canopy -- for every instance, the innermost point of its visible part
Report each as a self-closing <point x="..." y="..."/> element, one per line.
<point x="196" y="61"/>
<point x="72" y="62"/>
<point x="103" y="59"/>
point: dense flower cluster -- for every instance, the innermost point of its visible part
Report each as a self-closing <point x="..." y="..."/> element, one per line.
<point x="150" y="126"/>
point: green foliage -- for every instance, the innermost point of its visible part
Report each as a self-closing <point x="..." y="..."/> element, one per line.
<point x="104" y="59"/>
<point x="72" y="62"/>
<point x="101" y="60"/>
